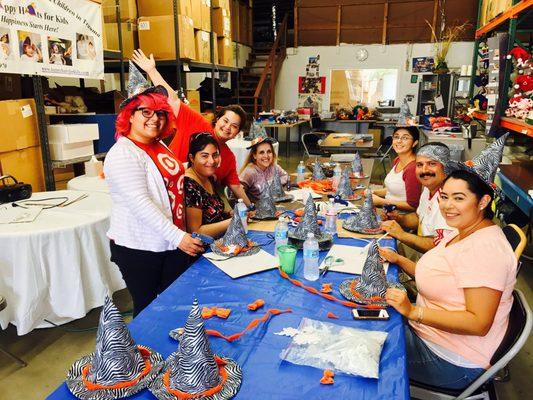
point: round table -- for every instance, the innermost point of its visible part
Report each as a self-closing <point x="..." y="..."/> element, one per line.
<point x="88" y="184"/>
<point x="238" y="147"/>
<point x="57" y="267"/>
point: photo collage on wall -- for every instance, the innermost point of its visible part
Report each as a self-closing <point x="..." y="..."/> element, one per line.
<point x="312" y="86"/>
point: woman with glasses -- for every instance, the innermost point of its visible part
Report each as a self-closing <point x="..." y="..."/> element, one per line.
<point x="402" y="188"/>
<point x="147" y="230"/>
<point x="229" y="121"/>
<point x="203" y="206"/>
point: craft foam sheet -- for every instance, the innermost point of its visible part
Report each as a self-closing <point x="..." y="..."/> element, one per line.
<point x="325" y="345"/>
<point x="236" y="267"/>
<point x="353" y="257"/>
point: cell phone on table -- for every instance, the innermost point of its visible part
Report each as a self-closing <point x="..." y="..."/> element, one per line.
<point x="370" y="314"/>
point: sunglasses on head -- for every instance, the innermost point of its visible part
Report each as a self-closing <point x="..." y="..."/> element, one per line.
<point x="149" y="113"/>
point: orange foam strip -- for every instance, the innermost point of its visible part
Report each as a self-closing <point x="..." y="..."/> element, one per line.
<point x="332" y="316"/>
<point x="251" y="325"/>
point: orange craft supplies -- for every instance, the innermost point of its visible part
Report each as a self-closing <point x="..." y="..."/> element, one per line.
<point x="256" y="305"/>
<point x="327" y="378"/>
<point x="322" y="186"/>
<point x="326" y="288"/>
<point x="251" y="325"/>
<point x="332" y="316"/>
<point x="215" y="311"/>
<point x="326" y="296"/>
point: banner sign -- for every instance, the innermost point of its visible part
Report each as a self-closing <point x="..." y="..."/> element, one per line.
<point x="51" y="38"/>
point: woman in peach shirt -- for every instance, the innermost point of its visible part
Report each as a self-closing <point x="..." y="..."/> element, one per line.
<point x="464" y="287"/>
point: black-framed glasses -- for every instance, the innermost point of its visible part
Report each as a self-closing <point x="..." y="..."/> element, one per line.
<point x="149" y="113"/>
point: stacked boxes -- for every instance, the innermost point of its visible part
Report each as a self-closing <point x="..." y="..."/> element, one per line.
<point x="20" y="152"/>
<point x="67" y="141"/>
<point x="128" y="18"/>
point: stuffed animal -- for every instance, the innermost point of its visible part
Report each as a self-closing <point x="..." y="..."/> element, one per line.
<point x="521" y="56"/>
<point x="524" y="84"/>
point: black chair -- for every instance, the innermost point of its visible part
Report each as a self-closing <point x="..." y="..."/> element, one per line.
<point x="311" y="140"/>
<point x="3" y="304"/>
<point x="382" y="153"/>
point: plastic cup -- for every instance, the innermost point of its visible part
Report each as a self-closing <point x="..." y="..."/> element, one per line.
<point x="287" y="258"/>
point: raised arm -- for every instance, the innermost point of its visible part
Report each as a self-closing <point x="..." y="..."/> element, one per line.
<point x="147" y="64"/>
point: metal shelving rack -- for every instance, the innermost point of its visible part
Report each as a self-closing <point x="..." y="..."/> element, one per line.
<point x="517" y="19"/>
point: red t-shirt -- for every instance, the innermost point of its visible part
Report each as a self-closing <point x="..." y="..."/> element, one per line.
<point x="189" y="122"/>
<point x="173" y="174"/>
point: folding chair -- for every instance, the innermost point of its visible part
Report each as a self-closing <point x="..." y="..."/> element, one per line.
<point x="520" y="323"/>
<point x="22" y="363"/>
<point x="382" y="153"/>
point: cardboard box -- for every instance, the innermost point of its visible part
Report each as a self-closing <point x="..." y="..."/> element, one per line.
<point x="10" y="86"/>
<point x="225" y="52"/>
<point x="203" y="50"/>
<point x="153" y="29"/>
<point x="205" y="11"/>
<point x="154" y="8"/>
<point x="194" y="99"/>
<point x="72" y="133"/>
<point x="128" y="10"/>
<point x="222" y="22"/>
<point x="26" y="165"/>
<point x="130" y="40"/>
<point x="221" y="4"/>
<point x="196" y="13"/>
<point x="68" y="151"/>
<point x="19" y="121"/>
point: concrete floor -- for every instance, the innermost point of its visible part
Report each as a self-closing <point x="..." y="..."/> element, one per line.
<point x="50" y="352"/>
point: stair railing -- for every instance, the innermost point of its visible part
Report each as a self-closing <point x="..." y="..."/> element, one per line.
<point x="272" y="68"/>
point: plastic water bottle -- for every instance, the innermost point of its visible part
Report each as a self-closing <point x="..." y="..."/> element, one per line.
<point x="243" y="214"/>
<point x="300" y="172"/>
<point x="337" y="172"/>
<point x="311" y="258"/>
<point x="281" y="233"/>
<point x="331" y="218"/>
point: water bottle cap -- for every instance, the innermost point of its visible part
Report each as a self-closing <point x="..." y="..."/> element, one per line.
<point x="240" y="201"/>
<point x="301" y="162"/>
<point x="331" y="200"/>
<point x="310" y="235"/>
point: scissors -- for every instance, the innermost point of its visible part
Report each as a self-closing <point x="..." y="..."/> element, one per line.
<point x="329" y="262"/>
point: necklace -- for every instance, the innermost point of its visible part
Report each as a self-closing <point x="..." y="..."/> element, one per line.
<point x="469" y="231"/>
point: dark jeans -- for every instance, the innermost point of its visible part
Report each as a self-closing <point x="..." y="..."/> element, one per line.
<point x="148" y="273"/>
<point x="424" y="366"/>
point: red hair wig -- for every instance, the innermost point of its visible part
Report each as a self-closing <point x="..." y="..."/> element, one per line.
<point x="153" y="101"/>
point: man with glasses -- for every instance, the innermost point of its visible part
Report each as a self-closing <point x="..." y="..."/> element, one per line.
<point x="430" y="225"/>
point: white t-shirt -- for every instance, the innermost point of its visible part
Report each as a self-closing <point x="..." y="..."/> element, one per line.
<point x="430" y="220"/>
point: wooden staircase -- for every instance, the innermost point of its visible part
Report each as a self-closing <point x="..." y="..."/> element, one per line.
<point x="249" y="78"/>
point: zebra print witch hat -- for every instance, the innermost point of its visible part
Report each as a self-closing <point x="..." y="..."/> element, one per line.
<point x="193" y="371"/>
<point x="371" y="288"/>
<point x="118" y="368"/>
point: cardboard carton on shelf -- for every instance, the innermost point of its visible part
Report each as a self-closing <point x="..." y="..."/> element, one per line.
<point x="225" y="52"/>
<point x="130" y="39"/>
<point x="20" y="121"/>
<point x="194" y="99"/>
<point x="153" y="8"/>
<point x="205" y="11"/>
<point x="72" y="133"/>
<point x="196" y="13"/>
<point x="203" y="49"/>
<point x="25" y="165"/>
<point x="222" y="22"/>
<point x="153" y="29"/>
<point x="128" y="10"/>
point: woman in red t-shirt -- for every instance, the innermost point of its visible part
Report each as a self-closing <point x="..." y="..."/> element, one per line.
<point x="228" y="122"/>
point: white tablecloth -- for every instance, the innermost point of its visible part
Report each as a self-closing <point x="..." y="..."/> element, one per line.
<point x="88" y="184"/>
<point x="238" y="147"/>
<point x="57" y="267"/>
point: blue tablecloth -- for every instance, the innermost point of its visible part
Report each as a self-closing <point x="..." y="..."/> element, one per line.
<point x="265" y="376"/>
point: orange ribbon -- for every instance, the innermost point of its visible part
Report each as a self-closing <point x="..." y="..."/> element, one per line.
<point x="256" y="305"/>
<point x="324" y="295"/>
<point x="251" y="325"/>
<point x="332" y="316"/>
<point x="145" y="354"/>
<point x="206" y="393"/>
<point x="327" y="378"/>
<point x="326" y="288"/>
<point x="357" y="295"/>
<point x="215" y="311"/>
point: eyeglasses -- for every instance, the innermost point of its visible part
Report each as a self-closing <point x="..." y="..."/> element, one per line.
<point x="149" y="113"/>
<point x="402" y="138"/>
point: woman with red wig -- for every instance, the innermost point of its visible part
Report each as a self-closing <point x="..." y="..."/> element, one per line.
<point x="147" y="229"/>
<point x="228" y="122"/>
